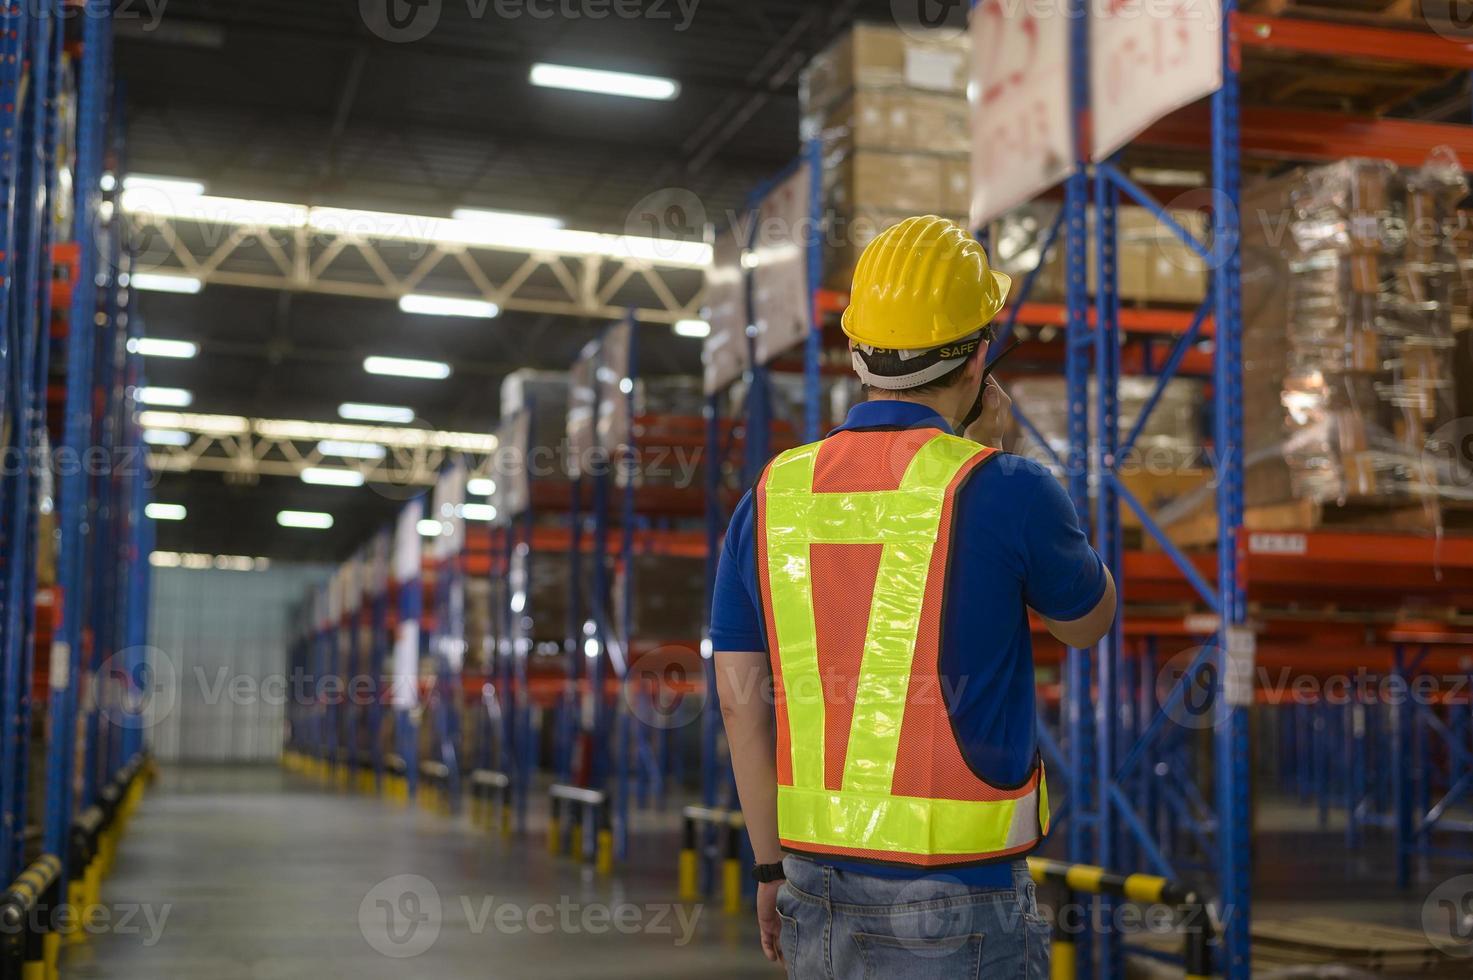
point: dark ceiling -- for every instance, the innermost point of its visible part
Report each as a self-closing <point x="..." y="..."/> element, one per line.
<point x="307" y="102"/>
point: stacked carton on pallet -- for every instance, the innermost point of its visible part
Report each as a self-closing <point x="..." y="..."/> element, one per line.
<point x="1351" y="289"/>
<point x="891" y="110"/>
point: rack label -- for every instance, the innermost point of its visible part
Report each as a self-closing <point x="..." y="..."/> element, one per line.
<point x="1242" y="661"/>
<point x="1260" y="543"/>
<point x="61" y="665"/>
<point x="1021" y="132"/>
<point x="1149" y="58"/>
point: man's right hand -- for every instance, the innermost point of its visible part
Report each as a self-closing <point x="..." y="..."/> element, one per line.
<point x="996" y="419"/>
<point x="768" y="920"/>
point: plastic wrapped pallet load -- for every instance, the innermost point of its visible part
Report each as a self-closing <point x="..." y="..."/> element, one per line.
<point x="1352" y="286"/>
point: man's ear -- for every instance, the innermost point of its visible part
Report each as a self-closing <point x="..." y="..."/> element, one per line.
<point x="977" y="363"/>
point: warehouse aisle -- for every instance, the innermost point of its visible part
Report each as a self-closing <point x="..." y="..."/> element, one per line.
<point x="250" y="874"/>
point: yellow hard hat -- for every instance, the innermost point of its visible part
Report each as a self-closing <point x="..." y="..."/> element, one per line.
<point x="921" y="284"/>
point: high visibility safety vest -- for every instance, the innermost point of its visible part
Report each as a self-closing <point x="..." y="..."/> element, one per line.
<point x="853" y="550"/>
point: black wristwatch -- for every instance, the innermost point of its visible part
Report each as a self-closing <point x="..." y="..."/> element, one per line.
<point x="767" y="873"/>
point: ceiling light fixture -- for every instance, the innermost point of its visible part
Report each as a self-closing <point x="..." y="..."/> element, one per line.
<point x="448" y="306"/>
<point x="307" y="519"/>
<point x="480" y="487"/>
<point x="157" y="347"/>
<point x="167" y="397"/>
<point x="407" y="367"/>
<point x="388" y="414"/>
<point x="506" y="219"/>
<point x="478" y="512"/>
<point x="169" y="185"/>
<point x="351" y="450"/>
<point x="167" y="437"/>
<point x="693" y="328"/>
<point x="326" y="476"/>
<point x="166" y="512"/>
<point x="431" y="528"/>
<point x="600" y="82"/>
<point x="155" y="282"/>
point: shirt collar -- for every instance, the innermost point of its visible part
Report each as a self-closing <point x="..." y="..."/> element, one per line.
<point x="893" y="414"/>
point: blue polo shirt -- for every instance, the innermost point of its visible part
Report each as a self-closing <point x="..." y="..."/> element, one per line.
<point x="1018" y="545"/>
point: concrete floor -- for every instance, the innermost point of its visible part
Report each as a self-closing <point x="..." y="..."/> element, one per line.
<point x="251" y="874"/>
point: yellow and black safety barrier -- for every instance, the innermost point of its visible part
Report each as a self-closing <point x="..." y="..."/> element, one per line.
<point x="396" y="779"/>
<point x="730" y="844"/>
<point x="93" y="844"/>
<point x="30" y="946"/>
<point x="491" y="800"/>
<point x="434" y="787"/>
<point x="1141" y="888"/>
<point x="586" y="809"/>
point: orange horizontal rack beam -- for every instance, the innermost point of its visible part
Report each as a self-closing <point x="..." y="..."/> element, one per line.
<point x="1303" y="134"/>
<point x="1332" y="39"/>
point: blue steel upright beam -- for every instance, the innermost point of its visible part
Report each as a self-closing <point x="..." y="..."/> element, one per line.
<point x="1109" y="653"/>
<point x="1232" y="772"/>
<point x="1076" y="712"/>
<point x="72" y="504"/>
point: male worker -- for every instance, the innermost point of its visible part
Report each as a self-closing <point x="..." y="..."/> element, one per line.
<point x="883" y="577"/>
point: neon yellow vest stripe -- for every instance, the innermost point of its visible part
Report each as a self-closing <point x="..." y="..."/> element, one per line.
<point x="865" y="814"/>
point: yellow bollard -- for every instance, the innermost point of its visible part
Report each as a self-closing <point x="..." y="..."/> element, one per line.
<point x="51" y="955"/>
<point x="554" y="836"/>
<point x="690" y="890"/>
<point x="33" y="970"/>
<point x="505" y="820"/>
<point x="76" y="897"/>
<point x="92" y="890"/>
<point x="731" y="886"/>
<point x="1062" y="960"/>
<point x="604" y="855"/>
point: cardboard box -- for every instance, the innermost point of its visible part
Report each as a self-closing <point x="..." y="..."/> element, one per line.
<point x="875" y="56"/>
<point x="901" y="120"/>
<point x="908" y="182"/>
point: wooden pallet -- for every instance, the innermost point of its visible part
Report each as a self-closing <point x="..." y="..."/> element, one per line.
<point x="1200" y="530"/>
<point x="1391" y="13"/>
<point x="1364" y="945"/>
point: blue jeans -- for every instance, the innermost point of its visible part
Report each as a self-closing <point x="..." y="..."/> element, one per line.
<point x="837" y="925"/>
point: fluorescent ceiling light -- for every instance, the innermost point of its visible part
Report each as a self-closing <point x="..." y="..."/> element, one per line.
<point x="604" y="82"/>
<point x="480" y="487"/>
<point x="351" y="450"/>
<point x="478" y="512"/>
<point x="109" y="183"/>
<point x="156" y="347"/>
<point x="448" y="306"/>
<point x="169" y="185"/>
<point x="431" y="528"/>
<point x="215" y="210"/>
<point x="407" y="367"/>
<point x="311" y="520"/>
<point x="158" y="283"/>
<point x="167" y="397"/>
<point x="505" y="236"/>
<point x="166" y="512"/>
<point x="693" y="328"/>
<point x="167" y="437"/>
<point x="389" y="414"/>
<point x="506" y="219"/>
<point x="211" y="425"/>
<point x="324" y="476"/>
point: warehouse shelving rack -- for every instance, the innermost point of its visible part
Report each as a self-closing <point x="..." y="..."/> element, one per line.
<point x="1107" y="821"/>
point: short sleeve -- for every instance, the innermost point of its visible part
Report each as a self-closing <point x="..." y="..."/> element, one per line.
<point x="736" y="620"/>
<point x="1063" y="576"/>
